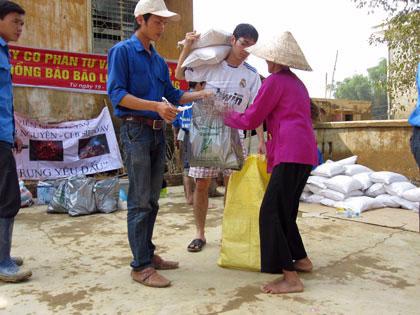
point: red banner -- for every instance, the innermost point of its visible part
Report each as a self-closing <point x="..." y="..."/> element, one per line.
<point x="65" y="70"/>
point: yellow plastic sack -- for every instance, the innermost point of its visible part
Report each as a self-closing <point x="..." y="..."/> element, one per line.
<point x="240" y="230"/>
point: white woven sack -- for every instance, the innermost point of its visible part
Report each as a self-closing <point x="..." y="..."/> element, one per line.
<point x="206" y="56"/>
<point x="212" y="37"/>
<point x="398" y="188"/>
<point x="306" y="188"/>
<point x="361" y="204"/>
<point x="338" y="196"/>
<point x="328" y="202"/>
<point x="406" y="204"/>
<point x="317" y="181"/>
<point x="387" y="201"/>
<point x="412" y="194"/>
<point x="375" y="190"/>
<point x="304" y="196"/>
<point x="314" y="199"/>
<point x="328" y="170"/>
<point x="355" y="169"/>
<point x="387" y="177"/>
<point x="343" y="183"/>
<point x="314" y="189"/>
<point x="363" y="179"/>
<point x="347" y="161"/>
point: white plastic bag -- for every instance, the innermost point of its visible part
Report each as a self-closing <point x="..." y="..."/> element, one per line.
<point x="347" y="161"/>
<point x="305" y="196"/>
<point x="412" y="195"/>
<point x="355" y="169"/>
<point x="328" y="170"/>
<point x="360" y="204"/>
<point x="313" y="189"/>
<point x="406" y="204"/>
<point x="398" y="188"/>
<point x="363" y="179"/>
<point x="339" y="196"/>
<point x="314" y="199"/>
<point x="206" y="56"/>
<point x="387" y="177"/>
<point x="343" y="183"/>
<point x="317" y="181"/>
<point x="387" y="201"/>
<point x="328" y="202"/>
<point x="376" y="190"/>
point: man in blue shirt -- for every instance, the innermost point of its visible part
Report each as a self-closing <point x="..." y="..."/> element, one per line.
<point x="414" y="121"/>
<point x="138" y="86"/>
<point x="11" y="23"/>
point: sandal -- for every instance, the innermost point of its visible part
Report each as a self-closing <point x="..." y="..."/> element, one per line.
<point x="196" y="245"/>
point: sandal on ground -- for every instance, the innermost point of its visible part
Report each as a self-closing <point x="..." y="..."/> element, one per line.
<point x="196" y="245"/>
<point x="161" y="264"/>
<point x="149" y="277"/>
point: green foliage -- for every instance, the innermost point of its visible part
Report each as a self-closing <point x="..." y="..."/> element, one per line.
<point x="357" y="87"/>
<point x="366" y="88"/>
<point x="401" y="33"/>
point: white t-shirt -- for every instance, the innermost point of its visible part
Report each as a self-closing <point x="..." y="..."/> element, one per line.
<point x="237" y="85"/>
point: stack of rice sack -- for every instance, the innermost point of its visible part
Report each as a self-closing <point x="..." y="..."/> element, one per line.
<point x="346" y="185"/>
<point x="212" y="47"/>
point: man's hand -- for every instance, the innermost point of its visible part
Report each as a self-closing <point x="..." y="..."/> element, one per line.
<point x="190" y="39"/>
<point x="18" y="145"/>
<point x="166" y="111"/>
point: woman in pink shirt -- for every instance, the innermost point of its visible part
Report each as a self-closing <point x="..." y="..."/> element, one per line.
<point x="284" y="104"/>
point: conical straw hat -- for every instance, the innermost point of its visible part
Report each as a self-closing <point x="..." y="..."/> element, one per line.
<point x="283" y="50"/>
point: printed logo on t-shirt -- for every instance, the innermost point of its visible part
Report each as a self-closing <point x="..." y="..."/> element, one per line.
<point x="242" y="83"/>
<point x="229" y="98"/>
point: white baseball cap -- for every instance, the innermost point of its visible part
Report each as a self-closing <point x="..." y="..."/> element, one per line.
<point x="155" y="7"/>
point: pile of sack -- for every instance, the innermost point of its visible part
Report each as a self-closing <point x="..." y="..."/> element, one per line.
<point x="355" y="188"/>
<point x="81" y="195"/>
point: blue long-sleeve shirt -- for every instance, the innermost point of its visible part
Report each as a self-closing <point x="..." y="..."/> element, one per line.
<point x="414" y="119"/>
<point x="7" y="122"/>
<point x="132" y="70"/>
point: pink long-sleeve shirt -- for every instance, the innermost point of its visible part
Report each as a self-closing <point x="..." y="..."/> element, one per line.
<point x="284" y="104"/>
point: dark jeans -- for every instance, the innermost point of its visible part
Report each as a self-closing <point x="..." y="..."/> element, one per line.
<point x="415" y="144"/>
<point x="281" y="242"/>
<point x="9" y="183"/>
<point x="144" y="157"/>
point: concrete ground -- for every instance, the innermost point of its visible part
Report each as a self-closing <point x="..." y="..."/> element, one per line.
<point x="368" y="265"/>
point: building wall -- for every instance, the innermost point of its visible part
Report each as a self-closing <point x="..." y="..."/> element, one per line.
<point x="379" y="145"/>
<point x="66" y="25"/>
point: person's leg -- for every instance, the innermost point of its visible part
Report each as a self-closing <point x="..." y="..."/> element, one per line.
<point x="301" y="260"/>
<point x="277" y="213"/>
<point x="9" y="207"/>
<point x="143" y="192"/>
<point x="415" y="149"/>
<point x="201" y="204"/>
<point x="188" y="188"/>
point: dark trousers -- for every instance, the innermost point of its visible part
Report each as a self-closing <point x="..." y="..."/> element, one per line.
<point x="415" y="144"/>
<point x="280" y="239"/>
<point x="9" y="183"/>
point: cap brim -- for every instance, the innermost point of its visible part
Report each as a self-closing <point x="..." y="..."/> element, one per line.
<point x="172" y="16"/>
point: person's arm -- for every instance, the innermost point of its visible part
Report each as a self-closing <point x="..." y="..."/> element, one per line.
<point x="261" y="140"/>
<point x="254" y="116"/>
<point x="190" y="38"/>
<point x="117" y="87"/>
